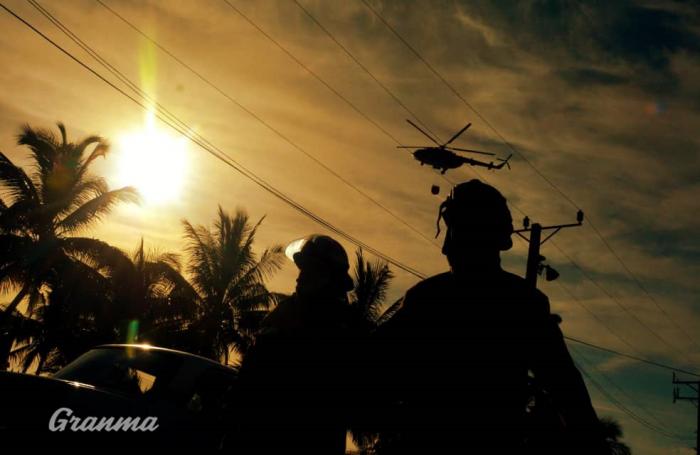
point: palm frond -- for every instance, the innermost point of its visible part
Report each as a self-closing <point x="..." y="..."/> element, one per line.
<point x="34" y="298"/>
<point x="96" y="253"/>
<point x="372" y="280"/>
<point x="390" y="312"/>
<point x="251" y="298"/>
<point x="19" y="218"/>
<point x="231" y="252"/>
<point x="64" y="136"/>
<point x="19" y="297"/>
<point x="100" y="150"/>
<point x="33" y="354"/>
<point x="44" y="148"/>
<point x="271" y="261"/>
<point x="199" y="246"/>
<point x="17" y="184"/>
<point x="10" y="282"/>
<point x="171" y="259"/>
<point x="18" y="354"/>
<point x="84" y="190"/>
<point x="138" y="257"/>
<point x="95" y="209"/>
<point x="165" y="279"/>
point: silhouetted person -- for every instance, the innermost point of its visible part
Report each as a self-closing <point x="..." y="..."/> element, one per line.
<point x="296" y="382"/>
<point x="452" y="367"/>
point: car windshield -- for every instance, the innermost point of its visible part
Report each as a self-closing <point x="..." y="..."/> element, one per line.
<point x="131" y="370"/>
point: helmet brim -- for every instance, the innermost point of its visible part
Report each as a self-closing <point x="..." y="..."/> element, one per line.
<point x="294" y="248"/>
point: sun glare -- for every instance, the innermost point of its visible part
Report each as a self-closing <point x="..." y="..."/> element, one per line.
<point x="154" y="162"/>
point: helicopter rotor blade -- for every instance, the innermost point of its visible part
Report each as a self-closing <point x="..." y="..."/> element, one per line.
<point x="506" y="161"/>
<point x="424" y="133"/>
<point x="459" y="133"/>
<point x="470" y="151"/>
<point x="411" y="146"/>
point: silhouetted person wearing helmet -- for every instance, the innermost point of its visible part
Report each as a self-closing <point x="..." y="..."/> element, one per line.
<point x="453" y="361"/>
<point x="296" y="380"/>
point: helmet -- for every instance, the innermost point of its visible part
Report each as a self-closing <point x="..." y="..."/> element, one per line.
<point x="321" y="251"/>
<point x="477" y="209"/>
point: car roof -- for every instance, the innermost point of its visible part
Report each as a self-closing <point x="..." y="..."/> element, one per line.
<point x="147" y="347"/>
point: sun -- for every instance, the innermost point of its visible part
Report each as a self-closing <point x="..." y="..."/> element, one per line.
<point x="154" y="162"/>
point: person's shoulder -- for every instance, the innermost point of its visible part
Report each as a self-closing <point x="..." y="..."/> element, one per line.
<point x="426" y="289"/>
<point x="430" y="284"/>
<point x="280" y="316"/>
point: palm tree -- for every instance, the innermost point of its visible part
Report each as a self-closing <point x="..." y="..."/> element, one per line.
<point x="127" y="299"/>
<point x="154" y="302"/>
<point x="41" y="212"/>
<point x="65" y="322"/>
<point x="372" y="281"/>
<point x="612" y="432"/>
<point x="229" y="279"/>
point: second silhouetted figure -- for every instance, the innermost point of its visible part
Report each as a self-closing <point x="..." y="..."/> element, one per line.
<point x="296" y="383"/>
<point x="452" y="364"/>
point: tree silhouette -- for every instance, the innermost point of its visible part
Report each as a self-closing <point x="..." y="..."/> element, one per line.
<point x="62" y="325"/>
<point x="40" y="212"/>
<point x="612" y="432"/>
<point x="152" y="300"/>
<point x="229" y="279"/>
<point x="80" y="292"/>
<point x="371" y="280"/>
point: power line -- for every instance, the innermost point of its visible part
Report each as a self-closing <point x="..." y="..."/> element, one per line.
<point x="223" y="157"/>
<point x="512" y="148"/>
<point x="632" y="357"/>
<point x="643" y="288"/>
<point x="109" y="67"/>
<point x="311" y="72"/>
<point x="269" y="126"/>
<point x="365" y="69"/>
<point x="658" y="423"/>
<point x="621" y="406"/>
<point x="595" y="316"/>
<point x="614" y="299"/>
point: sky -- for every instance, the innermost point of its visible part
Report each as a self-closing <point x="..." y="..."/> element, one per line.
<point x="599" y="100"/>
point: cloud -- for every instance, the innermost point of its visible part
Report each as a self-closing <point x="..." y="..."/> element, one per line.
<point x="625" y="34"/>
<point x="587" y="76"/>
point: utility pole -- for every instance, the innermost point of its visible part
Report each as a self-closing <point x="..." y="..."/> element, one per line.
<point x="535" y="261"/>
<point x="695" y="385"/>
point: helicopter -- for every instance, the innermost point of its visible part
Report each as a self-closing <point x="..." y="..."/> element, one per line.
<point x="443" y="157"/>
